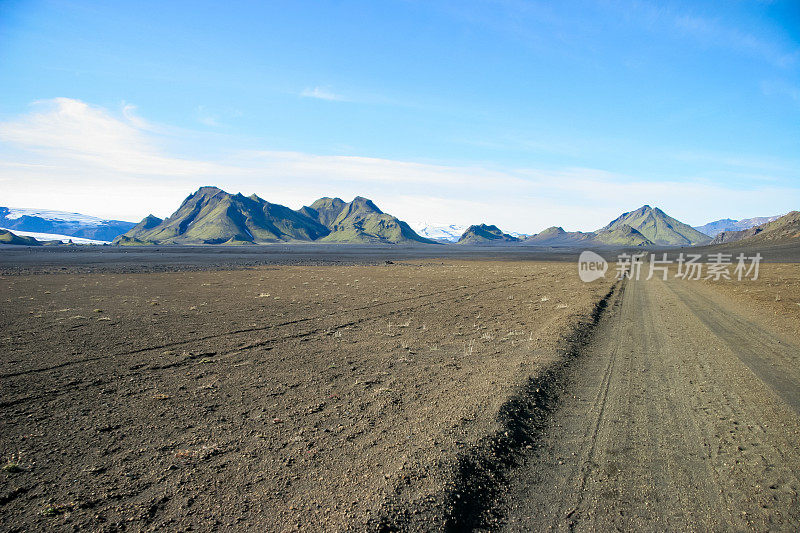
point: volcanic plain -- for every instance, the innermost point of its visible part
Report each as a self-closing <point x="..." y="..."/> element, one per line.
<point x="282" y="397"/>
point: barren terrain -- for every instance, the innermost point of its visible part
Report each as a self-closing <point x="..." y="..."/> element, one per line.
<point x="417" y="395"/>
<point x="272" y="398"/>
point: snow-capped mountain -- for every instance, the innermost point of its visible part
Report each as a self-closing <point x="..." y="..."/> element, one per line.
<point x="439" y="232"/>
<point x="713" y="229"/>
<point x="42" y="237"/>
<point x="61" y="223"/>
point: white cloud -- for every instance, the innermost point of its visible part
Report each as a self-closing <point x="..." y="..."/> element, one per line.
<point x="72" y="156"/>
<point x="66" y="130"/>
<point x="321" y="93"/>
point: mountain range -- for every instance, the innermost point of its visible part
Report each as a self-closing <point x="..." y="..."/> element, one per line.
<point x="782" y="229"/>
<point x="646" y="226"/>
<point x="727" y="224"/>
<point x="213" y="216"/>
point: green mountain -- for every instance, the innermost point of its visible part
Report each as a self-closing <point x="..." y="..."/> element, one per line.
<point x="556" y="236"/>
<point x="485" y="234"/>
<point x="654" y="225"/>
<point x="6" y="237"/>
<point x="213" y="216"/>
<point x="325" y="210"/>
<point x="621" y="235"/>
<point x="149" y="222"/>
<point x="360" y="221"/>
<point x="784" y="229"/>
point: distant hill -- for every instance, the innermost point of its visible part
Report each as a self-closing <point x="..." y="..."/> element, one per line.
<point x="645" y="226"/>
<point x="654" y="225"/>
<point x="213" y="216"/>
<point x="7" y="237"/>
<point x="485" y="234"/>
<point x="727" y="224"/>
<point x="556" y="236"/>
<point x="62" y="223"/>
<point x="780" y="230"/>
<point x="132" y="236"/>
<point x="360" y="221"/>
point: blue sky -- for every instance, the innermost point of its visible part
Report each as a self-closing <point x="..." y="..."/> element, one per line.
<point x="524" y="114"/>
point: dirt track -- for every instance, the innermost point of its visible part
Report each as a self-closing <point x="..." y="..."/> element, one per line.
<point x="682" y="414"/>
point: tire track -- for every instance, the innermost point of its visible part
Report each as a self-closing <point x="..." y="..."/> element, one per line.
<point x="772" y="361"/>
<point x="482" y="473"/>
<point x="598" y="406"/>
<point x="667" y="427"/>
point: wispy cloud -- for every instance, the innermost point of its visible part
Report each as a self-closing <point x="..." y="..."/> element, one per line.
<point x="321" y="93"/>
<point x="69" y="155"/>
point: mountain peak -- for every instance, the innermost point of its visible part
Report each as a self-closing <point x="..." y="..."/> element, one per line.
<point x="657" y="227"/>
<point x="208" y="189"/>
<point x="552" y="230"/>
<point x="213" y="216"/>
<point x="327" y="200"/>
<point x="644" y="210"/>
<point x="484" y="234"/>
<point x="360" y="203"/>
<point x="151" y="221"/>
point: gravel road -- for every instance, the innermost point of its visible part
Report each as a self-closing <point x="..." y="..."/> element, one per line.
<point x="681" y="414"/>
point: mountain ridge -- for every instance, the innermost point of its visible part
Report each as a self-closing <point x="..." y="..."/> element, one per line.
<point x="716" y="227"/>
<point x="485" y="234"/>
<point x="213" y="216"/>
<point x="783" y="229"/>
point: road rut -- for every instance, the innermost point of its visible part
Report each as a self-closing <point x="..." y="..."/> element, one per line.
<point x="680" y="415"/>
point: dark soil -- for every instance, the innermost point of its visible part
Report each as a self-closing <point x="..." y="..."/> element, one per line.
<point x="276" y="397"/>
